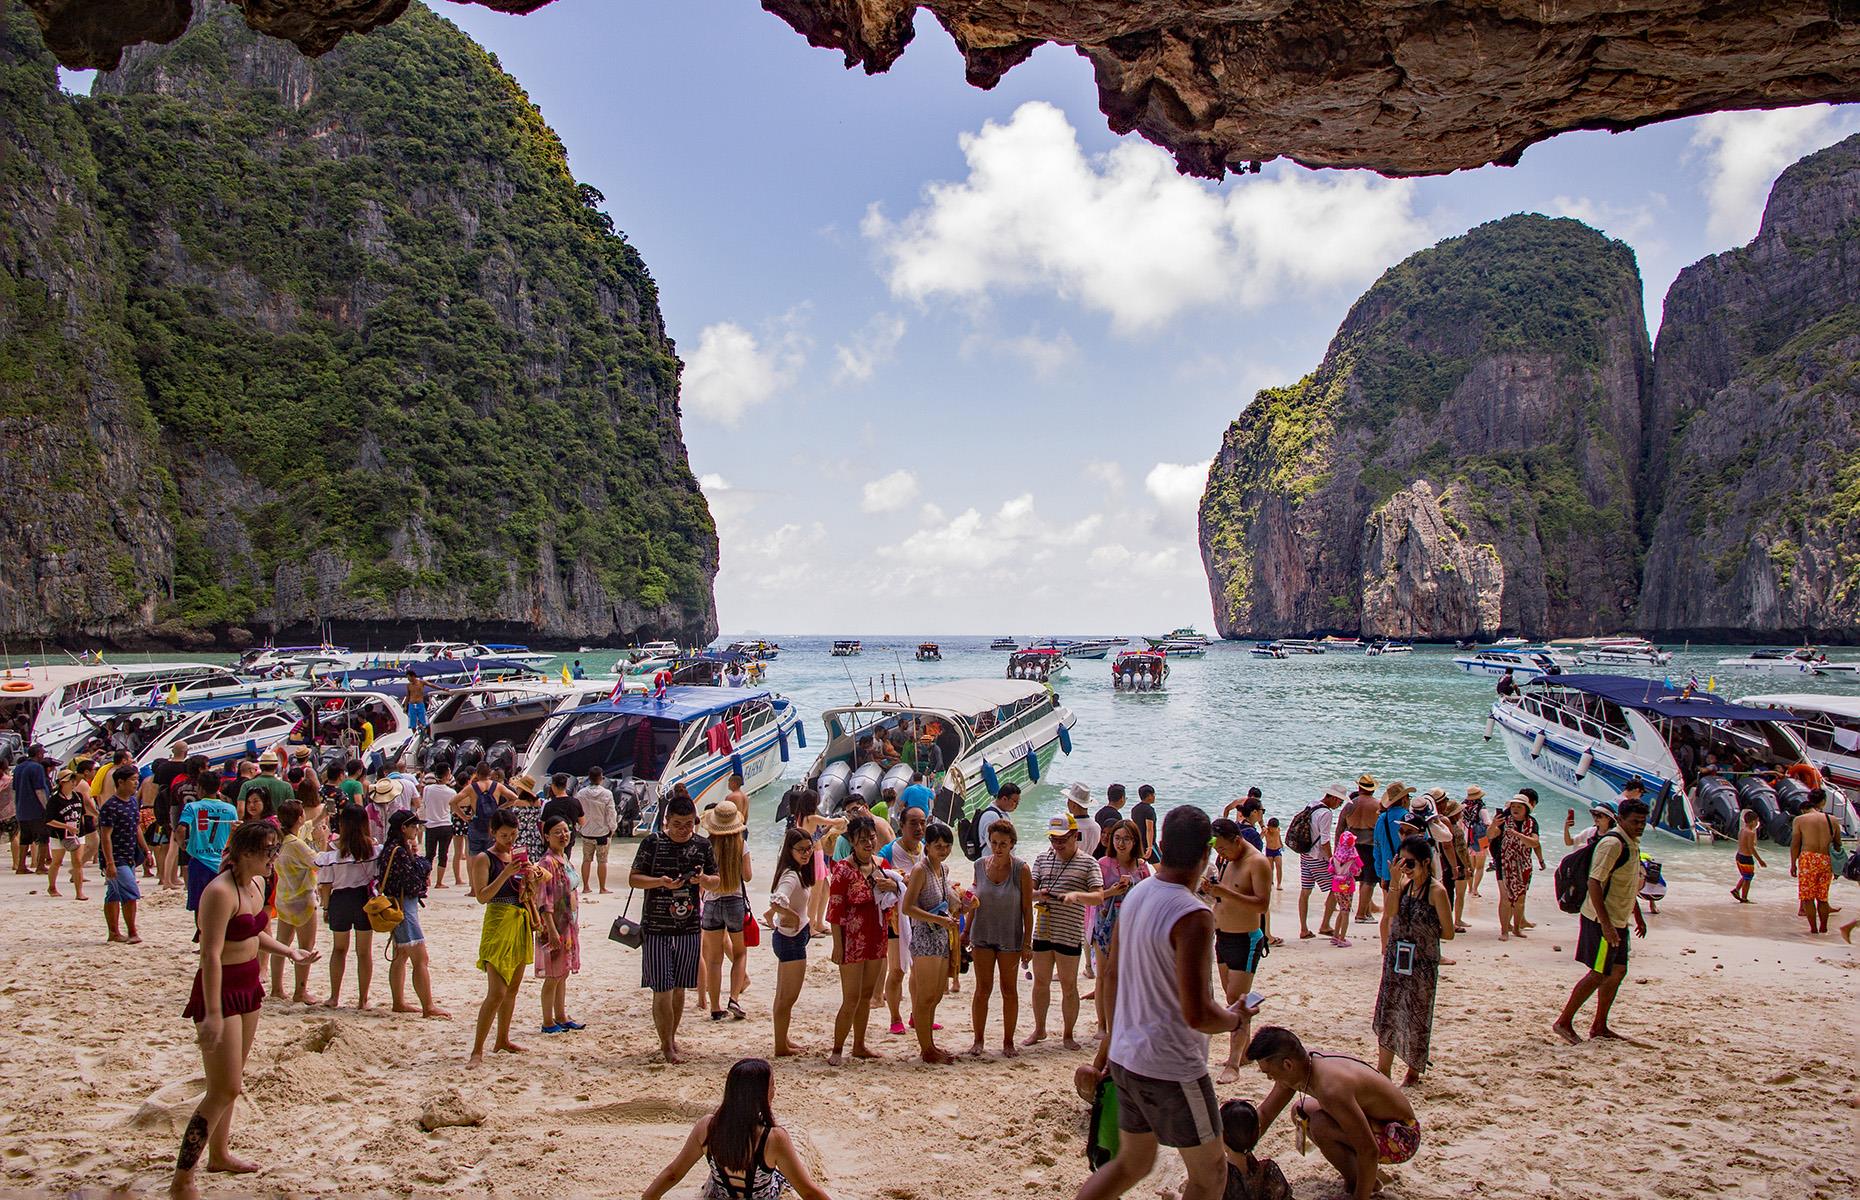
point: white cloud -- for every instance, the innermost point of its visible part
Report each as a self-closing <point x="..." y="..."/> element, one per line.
<point x="955" y="555"/>
<point x="872" y="347"/>
<point x="1744" y="153"/>
<point x="889" y="493"/>
<point x="1108" y="474"/>
<point x="1123" y="233"/>
<point x="1635" y="223"/>
<point x="1044" y="356"/>
<point x="1177" y="487"/>
<point x="731" y="371"/>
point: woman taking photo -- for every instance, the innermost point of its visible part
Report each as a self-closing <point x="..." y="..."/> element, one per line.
<point x="343" y="878"/>
<point x="858" y="935"/>
<point x="403" y="879"/>
<point x="504" y="946"/>
<point x="933" y="909"/>
<point x="721" y="917"/>
<point x="227" y="995"/>
<point x="1416" y="919"/>
<point x="750" y="1156"/>
<point x="558" y="937"/>
<point x="1512" y="840"/>
<point x="1000" y="934"/>
<point x="789" y="931"/>
<point x="295" y="899"/>
<point x="1122" y="870"/>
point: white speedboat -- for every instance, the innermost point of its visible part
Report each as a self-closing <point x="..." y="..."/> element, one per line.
<point x="1300" y="646"/>
<point x="1091" y="648"/>
<point x="1137" y="671"/>
<point x="1267" y="650"/>
<point x="494" y="720"/>
<point x="986" y="732"/>
<point x="1378" y="649"/>
<point x="268" y="660"/>
<point x="1509" y="642"/>
<point x="1830" y="729"/>
<point x="756" y="648"/>
<point x="63" y="693"/>
<point x="1803" y="660"/>
<point x="220" y="730"/>
<point x="1586" y="736"/>
<point x="929" y="652"/>
<point x="433" y="651"/>
<point x="1526" y="663"/>
<point x="846" y="648"/>
<point x="1004" y="643"/>
<point x="1331" y="641"/>
<point x="694" y="736"/>
<point x="1619" y="652"/>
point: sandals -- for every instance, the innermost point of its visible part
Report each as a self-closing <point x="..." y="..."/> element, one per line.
<point x="736" y="1012"/>
<point x="716" y="1014"/>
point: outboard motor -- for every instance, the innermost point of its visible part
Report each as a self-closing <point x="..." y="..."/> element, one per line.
<point x="1718" y="805"/>
<point x="329" y="763"/>
<point x="864" y="782"/>
<point x="896" y="779"/>
<point x="470" y="753"/>
<point x="1790" y="793"/>
<point x="788" y="799"/>
<point x="1760" y="796"/>
<point x="443" y="750"/>
<point x="502" y="754"/>
<point x="832" y="787"/>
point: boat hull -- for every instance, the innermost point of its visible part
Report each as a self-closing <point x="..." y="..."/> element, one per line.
<point x="1555" y="767"/>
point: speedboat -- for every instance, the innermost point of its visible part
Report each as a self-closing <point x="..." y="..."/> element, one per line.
<point x="63" y="693"/>
<point x="1830" y="729"/>
<point x="1039" y="664"/>
<point x="1091" y="648"/>
<point x="1803" y="660"/>
<point x="846" y="648"/>
<point x="1134" y="671"/>
<point x="647" y="744"/>
<point x="1587" y="736"/>
<point x="929" y="652"/>
<point x="221" y="730"/>
<point x="266" y="661"/>
<point x="1506" y="643"/>
<point x="1526" y="663"/>
<point x="428" y="651"/>
<point x="492" y="720"/>
<point x="1267" y="650"/>
<point x="441" y="672"/>
<point x="977" y="734"/>
<point x="1187" y="633"/>
<point x="1300" y="646"/>
<point x="713" y="668"/>
<point x="1332" y="642"/>
<point x="756" y="649"/>
<point x="1622" y="652"/>
<point x="1377" y="649"/>
<point x="1004" y="643"/>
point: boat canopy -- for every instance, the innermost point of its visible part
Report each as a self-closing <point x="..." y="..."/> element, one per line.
<point x="211" y="704"/>
<point x="681" y="704"/>
<point x="1648" y="696"/>
<point x="427" y="668"/>
<point x="1837" y="706"/>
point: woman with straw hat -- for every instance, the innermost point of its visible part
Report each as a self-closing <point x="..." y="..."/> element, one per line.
<point x="724" y="912"/>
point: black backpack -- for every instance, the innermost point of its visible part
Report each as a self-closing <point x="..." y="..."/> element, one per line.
<point x="1572" y="873"/>
<point x="1298" y="836"/>
<point x="971" y="836"/>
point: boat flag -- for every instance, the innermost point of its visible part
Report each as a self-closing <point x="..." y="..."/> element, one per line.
<point x="619" y="690"/>
<point x="477" y="674"/>
<point x="155" y="695"/>
<point x="174" y="693"/>
<point x="564" y="674"/>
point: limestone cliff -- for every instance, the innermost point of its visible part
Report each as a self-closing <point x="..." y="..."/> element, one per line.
<point x="403" y="370"/>
<point x="1757" y="378"/>
<point x="1462" y="461"/>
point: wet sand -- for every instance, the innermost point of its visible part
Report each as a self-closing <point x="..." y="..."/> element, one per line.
<point x="1742" y="1083"/>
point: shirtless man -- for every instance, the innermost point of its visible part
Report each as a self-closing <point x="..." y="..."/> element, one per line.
<point x="1355" y="1114"/>
<point x="1359" y="817"/>
<point x="1241" y="888"/>
<point x="1812" y="836"/>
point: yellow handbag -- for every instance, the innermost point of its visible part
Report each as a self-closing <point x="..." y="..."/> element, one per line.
<point x="384" y="915"/>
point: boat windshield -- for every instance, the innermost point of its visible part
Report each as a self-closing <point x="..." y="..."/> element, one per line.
<point x="620" y="744"/>
<point x="1592" y="716"/>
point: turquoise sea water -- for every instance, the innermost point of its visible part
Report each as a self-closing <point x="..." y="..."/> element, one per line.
<point x="1230" y="721"/>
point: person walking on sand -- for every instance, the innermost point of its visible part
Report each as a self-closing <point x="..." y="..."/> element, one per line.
<point x="295" y="899"/>
<point x="64" y="827"/>
<point x="1476" y="827"/>
<point x="1000" y="934"/>
<point x="789" y="931"/>
<point x="1812" y="839"/>
<point x="1162" y="1012"/>
<point x="1749" y="858"/>
<point x="804" y="814"/>
<point x="1601" y="940"/>
<point x="558" y="935"/>
<point x="504" y="949"/>
<point x="121" y="848"/>
<point x="1062" y="869"/>
<point x="436" y="798"/>
<point x="670" y="865"/>
<point x="403" y="878"/>
<point x="227" y="996"/>
<point x="935" y="912"/>
<point x="1241" y="888"/>
<point x="750" y="1155"/>
<point x="1356" y="1115"/>
<point x="1314" y="863"/>
<point x="853" y="909"/>
<point x="1417" y="918"/>
<point x="344" y="875"/>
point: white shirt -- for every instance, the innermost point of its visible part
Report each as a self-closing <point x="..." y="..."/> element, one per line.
<point x="597" y="811"/>
<point x="1149" y="1035"/>
<point x="436" y="805"/>
<point x="1323" y="820"/>
<point x="792" y="895"/>
<point x="1089" y="835"/>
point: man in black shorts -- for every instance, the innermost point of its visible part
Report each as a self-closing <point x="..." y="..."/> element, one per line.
<point x="1240" y="888"/>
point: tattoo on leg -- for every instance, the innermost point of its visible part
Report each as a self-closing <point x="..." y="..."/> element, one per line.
<point x="193" y="1141"/>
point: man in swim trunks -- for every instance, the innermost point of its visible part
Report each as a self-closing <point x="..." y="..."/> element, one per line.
<point x="1240" y="888"/>
<point x="1356" y="1115"/>
<point x="1812" y="837"/>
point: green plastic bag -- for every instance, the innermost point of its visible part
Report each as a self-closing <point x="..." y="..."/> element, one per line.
<point x="1101" y="1133"/>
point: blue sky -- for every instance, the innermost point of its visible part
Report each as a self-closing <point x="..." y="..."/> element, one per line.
<point x="955" y="360"/>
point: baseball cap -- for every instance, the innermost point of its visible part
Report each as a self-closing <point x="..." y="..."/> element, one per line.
<point x="1061" y="824"/>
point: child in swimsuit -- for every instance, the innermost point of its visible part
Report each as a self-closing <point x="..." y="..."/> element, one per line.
<point x="1275" y="848"/>
<point x="1748" y="860"/>
<point x="1345" y="862"/>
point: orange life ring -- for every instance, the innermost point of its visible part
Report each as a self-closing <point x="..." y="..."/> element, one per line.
<point x="15" y="685"/>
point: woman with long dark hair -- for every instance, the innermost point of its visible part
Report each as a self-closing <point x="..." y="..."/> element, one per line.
<point x="504" y="947"/>
<point x="805" y="816"/>
<point x="1416" y="919"/>
<point x="343" y="878"/>
<point x="403" y="878"/>
<point x="751" y="1157"/>
<point x="935" y="911"/>
<point x="228" y="993"/>
<point x="789" y="930"/>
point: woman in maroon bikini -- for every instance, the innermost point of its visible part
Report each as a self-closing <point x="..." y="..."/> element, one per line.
<point x="227" y="995"/>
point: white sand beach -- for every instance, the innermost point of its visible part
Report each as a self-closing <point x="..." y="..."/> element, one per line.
<point x="1741" y="1082"/>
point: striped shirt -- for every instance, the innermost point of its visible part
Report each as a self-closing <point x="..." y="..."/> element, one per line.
<point x="1054" y="920"/>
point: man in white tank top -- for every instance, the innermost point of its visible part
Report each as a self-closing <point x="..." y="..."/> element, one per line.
<point x="1161" y="1011"/>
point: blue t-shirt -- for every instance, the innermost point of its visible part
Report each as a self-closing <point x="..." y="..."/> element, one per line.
<point x="1249" y="834"/>
<point x="209" y="822"/>
<point x="29" y="783"/>
<point x="1388" y="837"/>
<point x="916" y="796"/>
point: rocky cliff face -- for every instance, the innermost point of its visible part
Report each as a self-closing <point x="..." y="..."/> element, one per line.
<point x="84" y="535"/>
<point x="1402" y="87"/>
<point x="1462" y="461"/>
<point x="400" y="368"/>
<point x="1757" y="391"/>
